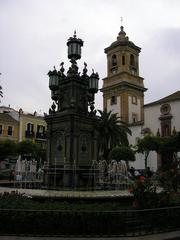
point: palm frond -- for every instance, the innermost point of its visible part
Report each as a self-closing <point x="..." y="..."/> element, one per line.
<point x="112" y="131"/>
<point x="1" y="92"/>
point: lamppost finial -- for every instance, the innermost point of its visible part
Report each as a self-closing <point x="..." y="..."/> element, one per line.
<point x="74" y="34"/>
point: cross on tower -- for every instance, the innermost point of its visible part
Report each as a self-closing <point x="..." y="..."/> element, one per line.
<point x="121" y="21"/>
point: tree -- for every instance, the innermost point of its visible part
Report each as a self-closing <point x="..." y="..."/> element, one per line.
<point x="8" y="148"/>
<point x="27" y="148"/>
<point x="170" y="146"/>
<point x="168" y="149"/>
<point x="111" y="132"/>
<point x="169" y="174"/>
<point x="122" y="153"/>
<point x="40" y="153"/>
<point x="30" y="149"/>
<point x="147" y="144"/>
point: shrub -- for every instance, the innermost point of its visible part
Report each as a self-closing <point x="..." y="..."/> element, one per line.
<point x="122" y="153"/>
<point x="145" y="195"/>
<point x="169" y="178"/>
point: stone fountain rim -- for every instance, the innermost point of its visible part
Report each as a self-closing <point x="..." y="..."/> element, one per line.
<point x="43" y="193"/>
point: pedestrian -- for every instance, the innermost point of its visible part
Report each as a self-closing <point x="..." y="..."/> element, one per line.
<point x="148" y="172"/>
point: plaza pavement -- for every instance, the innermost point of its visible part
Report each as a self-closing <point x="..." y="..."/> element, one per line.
<point x="162" y="236"/>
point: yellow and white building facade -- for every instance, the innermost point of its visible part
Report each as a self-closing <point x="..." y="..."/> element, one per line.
<point x="123" y="93"/>
<point x="19" y="126"/>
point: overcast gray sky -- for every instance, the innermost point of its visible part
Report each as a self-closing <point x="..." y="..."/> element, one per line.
<point x="34" y="34"/>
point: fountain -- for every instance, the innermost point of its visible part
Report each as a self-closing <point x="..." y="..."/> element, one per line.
<point x="102" y="176"/>
<point x="27" y="175"/>
<point x="109" y="176"/>
<point x="72" y="152"/>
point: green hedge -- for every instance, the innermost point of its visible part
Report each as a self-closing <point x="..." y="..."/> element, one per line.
<point x="21" y="215"/>
<point x="89" y="222"/>
<point x="15" y="200"/>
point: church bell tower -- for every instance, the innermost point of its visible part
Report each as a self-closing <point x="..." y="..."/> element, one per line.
<point x="123" y="88"/>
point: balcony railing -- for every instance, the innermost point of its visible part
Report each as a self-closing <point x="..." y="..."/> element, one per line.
<point x="29" y="134"/>
<point x="41" y="135"/>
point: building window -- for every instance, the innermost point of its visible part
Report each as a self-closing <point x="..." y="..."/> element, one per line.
<point x="113" y="100"/>
<point x="30" y="130"/>
<point x="10" y="131"/>
<point x="30" y="127"/>
<point x="40" y="131"/>
<point x="132" y="66"/>
<point x="134" y="117"/>
<point x="134" y="100"/>
<point x="132" y="60"/>
<point x="123" y="60"/>
<point x="1" y="129"/>
<point x="114" y="60"/>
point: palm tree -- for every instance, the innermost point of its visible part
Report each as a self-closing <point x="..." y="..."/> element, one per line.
<point x="1" y="92"/>
<point x="111" y="132"/>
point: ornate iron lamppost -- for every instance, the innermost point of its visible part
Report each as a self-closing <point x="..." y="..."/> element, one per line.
<point x="57" y="79"/>
<point x="71" y="122"/>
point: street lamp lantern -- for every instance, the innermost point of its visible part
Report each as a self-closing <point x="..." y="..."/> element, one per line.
<point x="74" y="47"/>
<point x="54" y="95"/>
<point x="73" y="84"/>
<point x="93" y="82"/>
<point x="53" y="79"/>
